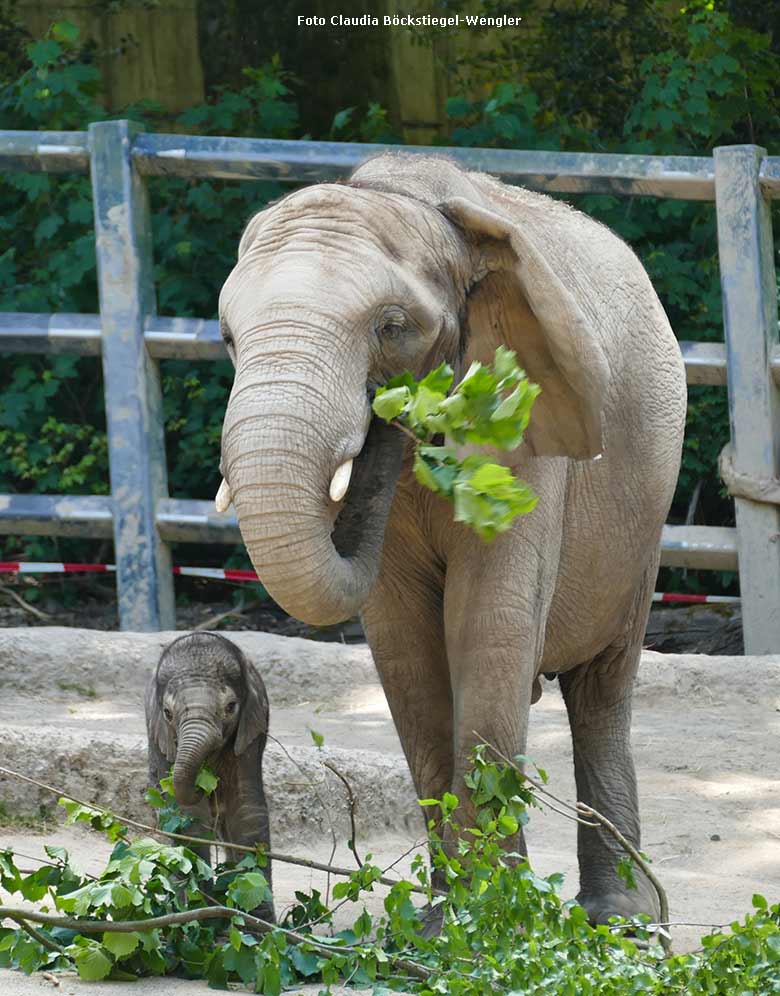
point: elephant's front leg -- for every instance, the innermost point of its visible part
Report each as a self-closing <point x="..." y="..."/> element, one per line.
<point x="495" y="621"/>
<point x="245" y="813"/>
<point x="405" y="628"/>
<point x="404" y="625"/>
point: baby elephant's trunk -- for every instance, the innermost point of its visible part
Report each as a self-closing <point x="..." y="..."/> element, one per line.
<point x="197" y="739"/>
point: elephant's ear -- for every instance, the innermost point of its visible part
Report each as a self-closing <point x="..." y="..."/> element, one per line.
<point x="158" y="730"/>
<point x="253" y="718"/>
<point x="519" y="298"/>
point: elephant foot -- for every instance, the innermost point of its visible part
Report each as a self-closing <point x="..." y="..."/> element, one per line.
<point x="635" y="902"/>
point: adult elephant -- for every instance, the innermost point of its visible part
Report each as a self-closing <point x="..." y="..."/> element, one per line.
<point x="410" y="262"/>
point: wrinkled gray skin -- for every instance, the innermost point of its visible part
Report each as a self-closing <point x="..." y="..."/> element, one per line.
<point x="411" y="262"/>
<point x="207" y="704"/>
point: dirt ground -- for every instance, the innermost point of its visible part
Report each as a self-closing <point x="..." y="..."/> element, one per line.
<point x="705" y="735"/>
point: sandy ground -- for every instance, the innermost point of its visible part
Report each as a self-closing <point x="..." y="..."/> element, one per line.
<point x="705" y="740"/>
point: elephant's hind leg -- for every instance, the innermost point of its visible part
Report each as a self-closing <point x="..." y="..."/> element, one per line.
<point x="598" y="701"/>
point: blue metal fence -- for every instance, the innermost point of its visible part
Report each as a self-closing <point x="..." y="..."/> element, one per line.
<point x="131" y="338"/>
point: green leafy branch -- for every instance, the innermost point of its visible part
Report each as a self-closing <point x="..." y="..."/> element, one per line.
<point x="491" y="406"/>
<point x="158" y="909"/>
<point x="102" y="820"/>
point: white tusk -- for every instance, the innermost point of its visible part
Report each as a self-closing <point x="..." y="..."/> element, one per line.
<point x="224" y="497"/>
<point x="340" y="482"/>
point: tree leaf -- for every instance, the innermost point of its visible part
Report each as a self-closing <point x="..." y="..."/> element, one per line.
<point x="120" y="945"/>
<point x="249" y="890"/>
<point x="206" y="780"/>
<point x="438" y="381"/>
<point x="91" y="961"/>
<point x="390" y="402"/>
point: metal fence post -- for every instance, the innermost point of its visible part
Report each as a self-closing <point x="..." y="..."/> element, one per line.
<point x="747" y="275"/>
<point x="136" y="440"/>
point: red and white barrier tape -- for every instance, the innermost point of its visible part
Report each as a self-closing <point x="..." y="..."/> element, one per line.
<point x="230" y="574"/>
<point x="670" y="596"/>
<point x="31" y="567"/>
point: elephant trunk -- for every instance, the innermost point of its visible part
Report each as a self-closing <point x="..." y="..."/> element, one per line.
<point x="283" y="442"/>
<point x="197" y="739"/>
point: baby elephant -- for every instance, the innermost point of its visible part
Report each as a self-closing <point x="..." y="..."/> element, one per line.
<point x="206" y="703"/>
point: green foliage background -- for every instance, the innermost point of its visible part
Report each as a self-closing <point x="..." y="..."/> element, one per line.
<point x="638" y="78"/>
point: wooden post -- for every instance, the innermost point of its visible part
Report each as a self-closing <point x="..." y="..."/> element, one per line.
<point x="136" y="441"/>
<point x="747" y="275"/>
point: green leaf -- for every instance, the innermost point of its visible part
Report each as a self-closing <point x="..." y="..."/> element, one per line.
<point x="438" y="381"/>
<point x="508" y="406"/>
<point x="423" y="471"/>
<point x="91" y="961"/>
<point x="505" y="365"/>
<point x="317" y="738"/>
<point x="249" y="890"/>
<point x="626" y="872"/>
<point x="341" y="118"/>
<point x="46" y="228"/>
<point x="57" y="853"/>
<point x="479" y="381"/>
<point x="43" y="52"/>
<point x="120" y="945"/>
<point x="436" y="468"/>
<point x="306" y="962"/>
<point x="424" y="404"/>
<point x="35" y="886"/>
<point x="449" y="803"/>
<point x="154" y="798"/>
<point x="65" y="31"/>
<point x="390" y="402"/>
<point x="206" y="780"/>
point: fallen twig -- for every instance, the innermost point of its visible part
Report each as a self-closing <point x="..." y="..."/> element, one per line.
<point x="238" y="612"/>
<point x="36" y="935"/>
<point x="42" y="861"/>
<point x="38" y="613"/>
<point x="638" y="860"/>
<point x="188" y="916"/>
<point x="326" y="811"/>
<point x="669" y="923"/>
<point x="351" y="801"/>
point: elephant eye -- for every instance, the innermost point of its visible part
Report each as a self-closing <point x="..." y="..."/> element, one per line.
<point x="167" y="713"/>
<point x="393" y="324"/>
<point x="230" y="708"/>
<point x="393" y="330"/>
<point x="227" y="335"/>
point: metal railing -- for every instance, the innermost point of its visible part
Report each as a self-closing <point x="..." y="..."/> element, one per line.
<point x="131" y="338"/>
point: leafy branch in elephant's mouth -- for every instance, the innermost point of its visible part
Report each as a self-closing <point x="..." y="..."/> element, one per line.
<point x="158" y="909"/>
<point x="491" y="406"/>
